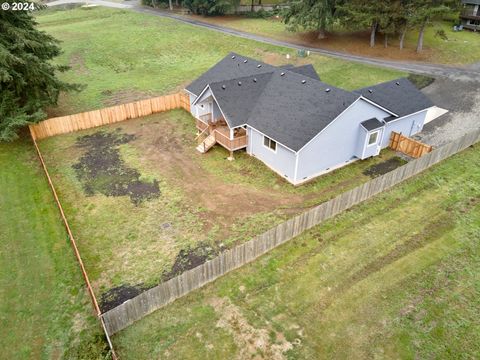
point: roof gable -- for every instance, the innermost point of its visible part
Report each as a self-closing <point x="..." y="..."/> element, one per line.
<point x="398" y="96"/>
<point x="232" y="66"/>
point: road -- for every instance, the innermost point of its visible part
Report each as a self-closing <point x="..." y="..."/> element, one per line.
<point x="443" y="71"/>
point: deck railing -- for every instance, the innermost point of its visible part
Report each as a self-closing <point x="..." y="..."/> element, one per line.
<point x="470" y="14"/>
<point x="200" y="125"/>
<point x="235" y="144"/>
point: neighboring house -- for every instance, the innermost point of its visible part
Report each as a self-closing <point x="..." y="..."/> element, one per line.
<point x="470" y="15"/>
<point x="297" y="125"/>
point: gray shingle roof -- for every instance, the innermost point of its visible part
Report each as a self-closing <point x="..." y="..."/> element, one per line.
<point x="372" y="124"/>
<point x="398" y="96"/>
<point x="306" y="70"/>
<point x="228" y="69"/>
<point x="290" y="104"/>
<point x="236" y="101"/>
<point x="292" y="112"/>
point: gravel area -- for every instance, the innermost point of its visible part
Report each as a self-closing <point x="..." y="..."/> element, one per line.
<point x="462" y="99"/>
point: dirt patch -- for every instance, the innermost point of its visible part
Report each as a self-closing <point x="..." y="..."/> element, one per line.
<point x="77" y="63"/>
<point x="191" y="258"/>
<point x="252" y="343"/>
<point x="384" y="167"/>
<point x="118" y="295"/>
<point x="101" y="169"/>
<point x="125" y="96"/>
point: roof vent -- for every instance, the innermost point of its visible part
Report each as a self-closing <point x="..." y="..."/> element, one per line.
<point x="398" y="84"/>
<point x="304" y="81"/>
<point x="233" y="57"/>
<point x="259" y="65"/>
<point x="370" y="91"/>
<point x="282" y="74"/>
<point x="224" y="87"/>
<point x="327" y="90"/>
<point x="254" y="79"/>
<point x="239" y="83"/>
<point x="245" y="61"/>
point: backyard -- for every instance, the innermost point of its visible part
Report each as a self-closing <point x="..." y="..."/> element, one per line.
<point x="145" y="205"/>
<point x="396" y="277"/>
<point x="173" y="222"/>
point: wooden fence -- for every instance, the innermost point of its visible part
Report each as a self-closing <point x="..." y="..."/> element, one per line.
<point x="151" y="300"/>
<point x="75" y="249"/>
<point x="109" y="115"/>
<point x="408" y="146"/>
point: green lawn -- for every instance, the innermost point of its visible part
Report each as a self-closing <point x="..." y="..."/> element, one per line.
<point x="396" y="277"/>
<point x="205" y="203"/>
<point x="459" y="47"/>
<point x="45" y="312"/>
<point x="122" y="56"/>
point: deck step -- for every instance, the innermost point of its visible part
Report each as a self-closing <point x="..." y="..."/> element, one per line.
<point x="207" y="144"/>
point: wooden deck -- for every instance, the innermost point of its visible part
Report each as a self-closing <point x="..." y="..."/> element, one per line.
<point x="221" y="133"/>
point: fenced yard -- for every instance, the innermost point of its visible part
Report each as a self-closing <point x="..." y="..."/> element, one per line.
<point x="393" y="277"/>
<point x="145" y="206"/>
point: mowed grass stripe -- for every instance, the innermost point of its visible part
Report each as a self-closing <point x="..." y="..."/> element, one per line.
<point x="44" y="310"/>
<point x="390" y="278"/>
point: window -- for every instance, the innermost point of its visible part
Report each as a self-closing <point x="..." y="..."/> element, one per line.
<point x="271" y="144"/>
<point x="373" y="138"/>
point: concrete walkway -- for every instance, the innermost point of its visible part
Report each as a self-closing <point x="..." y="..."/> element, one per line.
<point x="453" y="73"/>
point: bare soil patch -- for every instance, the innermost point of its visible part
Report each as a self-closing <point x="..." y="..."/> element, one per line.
<point x="101" y="170"/>
<point x="384" y="167"/>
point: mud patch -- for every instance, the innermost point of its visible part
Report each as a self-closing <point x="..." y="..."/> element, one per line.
<point x="118" y="295"/>
<point x="101" y="169"/>
<point x="252" y="343"/>
<point x="191" y="258"/>
<point x="384" y="167"/>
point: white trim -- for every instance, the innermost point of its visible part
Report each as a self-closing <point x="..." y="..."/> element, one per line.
<point x="376" y="139"/>
<point x="226" y="119"/>
<point x="189" y="92"/>
<point x="323" y="172"/>
<point x="286" y="147"/>
<point x="199" y="96"/>
<point x="270" y="140"/>
<point x="295" y="172"/>
<point x="326" y="127"/>
<point x="377" y="105"/>
<point x="405" y="116"/>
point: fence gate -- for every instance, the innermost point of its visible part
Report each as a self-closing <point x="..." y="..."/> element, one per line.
<point x="408" y="146"/>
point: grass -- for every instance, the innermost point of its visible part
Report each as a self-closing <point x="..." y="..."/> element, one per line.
<point x="459" y="48"/>
<point x="123" y="56"/>
<point x="45" y="312"/>
<point x="205" y="202"/>
<point x="396" y="277"/>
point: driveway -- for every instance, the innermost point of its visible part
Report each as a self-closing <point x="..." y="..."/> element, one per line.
<point x="455" y="73"/>
<point x="462" y="99"/>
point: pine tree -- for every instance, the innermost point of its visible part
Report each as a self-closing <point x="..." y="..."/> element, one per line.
<point x="316" y="15"/>
<point x="358" y="14"/>
<point x="28" y="81"/>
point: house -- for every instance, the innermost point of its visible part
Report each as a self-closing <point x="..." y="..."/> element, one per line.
<point x="470" y="15"/>
<point x="296" y="124"/>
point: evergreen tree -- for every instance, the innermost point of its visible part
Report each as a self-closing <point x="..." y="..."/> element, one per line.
<point x="317" y="15"/>
<point x="359" y="14"/>
<point x="424" y="12"/>
<point x="28" y="81"/>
